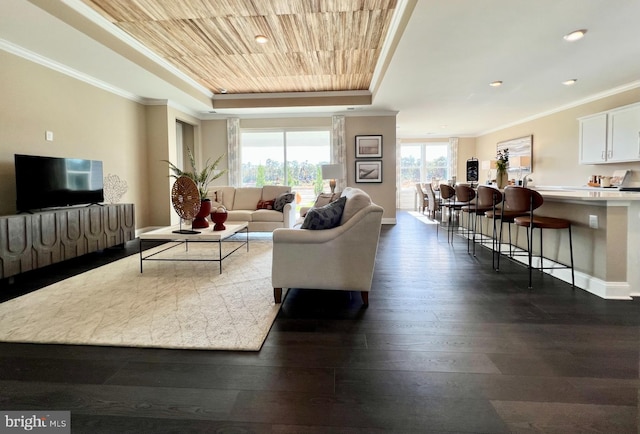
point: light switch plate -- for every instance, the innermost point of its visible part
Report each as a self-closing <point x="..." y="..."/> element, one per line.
<point x="48" y="135"/>
<point x="593" y="221"/>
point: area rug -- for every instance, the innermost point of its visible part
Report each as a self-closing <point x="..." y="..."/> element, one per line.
<point x="173" y="304"/>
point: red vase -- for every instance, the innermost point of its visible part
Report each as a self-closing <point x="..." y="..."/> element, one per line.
<point x="219" y="216"/>
<point x="200" y="222"/>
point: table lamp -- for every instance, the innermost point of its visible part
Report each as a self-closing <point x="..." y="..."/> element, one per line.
<point x="332" y="172"/>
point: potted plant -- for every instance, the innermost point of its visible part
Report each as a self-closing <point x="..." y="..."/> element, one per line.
<point x="502" y="164"/>
<point x="202" y="178"/>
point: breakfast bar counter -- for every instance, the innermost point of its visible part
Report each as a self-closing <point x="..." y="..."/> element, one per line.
<point x="606" y="237"/>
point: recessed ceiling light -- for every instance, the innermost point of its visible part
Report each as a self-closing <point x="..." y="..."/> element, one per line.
<point x="222" y="90"/>
<point x="570" y="82"/>
<point x="575" y="35"/>
<point x="261" y="39"/>
<point x="495" y="83"/>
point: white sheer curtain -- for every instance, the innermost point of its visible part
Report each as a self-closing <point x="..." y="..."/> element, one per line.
<point x="453" y="157"/>
<point x="233" y="154"/>
<point x="338" y="148"/>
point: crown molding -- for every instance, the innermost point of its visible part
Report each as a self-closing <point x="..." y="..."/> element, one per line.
<point x="592" y="98"/>
<point x="63" y="69"/>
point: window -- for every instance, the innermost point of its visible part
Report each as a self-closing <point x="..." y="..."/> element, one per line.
<point x="421" y="162"/>
<point x="286" y="157"/>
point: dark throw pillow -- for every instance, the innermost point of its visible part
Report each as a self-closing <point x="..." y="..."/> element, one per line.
<point x="265" y="204"/>
<point x="282" y="200"/>
<point x="324" y="217"/>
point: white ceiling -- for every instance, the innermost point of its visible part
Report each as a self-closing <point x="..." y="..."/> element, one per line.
<point x="436" y="80"/>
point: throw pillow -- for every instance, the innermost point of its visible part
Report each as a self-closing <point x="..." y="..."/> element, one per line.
<point x="282" y="200"/>
<point x="265" y="204"/>
<point x="324" y="217"/>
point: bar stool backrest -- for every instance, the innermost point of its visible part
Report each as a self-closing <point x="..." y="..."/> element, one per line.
<point x="522" y="199"/>
<point x="446" y="191"/>
<point x="464" y="193"/>
<point x="488" y="196"/>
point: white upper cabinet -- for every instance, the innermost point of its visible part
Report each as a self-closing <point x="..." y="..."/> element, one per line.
<point x="593" y="139"/>
<point x="611" y="137"/>
<point x="623" y="134"/>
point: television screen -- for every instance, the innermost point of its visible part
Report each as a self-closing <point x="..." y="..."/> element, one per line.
<point x="46" y="182"/>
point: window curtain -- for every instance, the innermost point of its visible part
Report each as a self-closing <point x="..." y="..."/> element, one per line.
<point x="339" y="148"/>
<point x="233" y="153"/>
<point x="453" y="157"/>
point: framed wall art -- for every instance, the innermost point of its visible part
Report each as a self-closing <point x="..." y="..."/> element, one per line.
<point x="520" y="155"/>
<point x="369" y="171"/>
<point x="369" y="146"/>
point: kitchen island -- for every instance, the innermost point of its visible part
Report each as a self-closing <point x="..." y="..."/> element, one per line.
<point x="606" y="238"/>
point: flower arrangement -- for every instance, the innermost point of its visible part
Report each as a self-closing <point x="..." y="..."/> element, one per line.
<point x="502" y="160"/>
<point x="203" y="177"/>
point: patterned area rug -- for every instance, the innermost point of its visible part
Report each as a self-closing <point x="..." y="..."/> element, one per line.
<point x="173" y="304"/>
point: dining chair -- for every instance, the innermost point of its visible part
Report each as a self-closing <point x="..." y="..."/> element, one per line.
<point x="423" y="200"/>
<point x="433" y="201"/>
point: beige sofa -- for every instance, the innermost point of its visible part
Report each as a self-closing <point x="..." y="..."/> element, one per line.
<point x="341" y="258"/>
<point x="241" y="204"/>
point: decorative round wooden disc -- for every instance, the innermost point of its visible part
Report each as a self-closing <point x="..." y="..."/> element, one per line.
<point x="185" y="198"/>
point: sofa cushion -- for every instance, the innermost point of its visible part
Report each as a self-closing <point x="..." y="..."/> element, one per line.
<point x="265" y="204"/>
<point x="325" y="217"/>
<point x="247" y="198"/>
<point x="282" y="200"/>
<point x="356" y="200"/>
<point x="228" y="195"/>
<point x="272" y="191"/>
<point x="267" y="215"/>
<point x="325" y="198"/>
<point x="240" y="215"/>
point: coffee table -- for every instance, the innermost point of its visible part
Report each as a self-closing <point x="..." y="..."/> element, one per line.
<point x="204" y="236"/>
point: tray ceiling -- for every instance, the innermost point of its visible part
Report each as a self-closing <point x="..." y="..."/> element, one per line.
<point x="313" y="46"/>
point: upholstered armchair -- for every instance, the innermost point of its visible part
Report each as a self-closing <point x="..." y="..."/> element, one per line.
<point x="341" y="258"/>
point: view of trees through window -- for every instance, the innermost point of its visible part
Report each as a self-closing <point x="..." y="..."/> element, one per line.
<point x="283" y="157"/>
<point x="420" y="162"/>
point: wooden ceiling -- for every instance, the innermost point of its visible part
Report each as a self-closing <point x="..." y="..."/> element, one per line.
<point x="314" y="45"/>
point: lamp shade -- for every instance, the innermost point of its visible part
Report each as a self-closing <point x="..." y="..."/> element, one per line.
<point x="332" y="171"/>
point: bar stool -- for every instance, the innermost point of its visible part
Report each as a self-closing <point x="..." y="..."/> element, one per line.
<point x="525" y="198"/>
<point x="464" y="195"/>
<point x="487" y="199"/>
<point x="448" y="198"/>
<point x="506" y="214"/>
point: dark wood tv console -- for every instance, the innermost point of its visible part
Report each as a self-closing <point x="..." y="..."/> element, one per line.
<point x="30" y="241"/>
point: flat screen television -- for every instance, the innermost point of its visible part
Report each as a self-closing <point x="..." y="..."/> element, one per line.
<point x="49" y="182"/>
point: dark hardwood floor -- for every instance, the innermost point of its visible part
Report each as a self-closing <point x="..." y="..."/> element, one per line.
<point x="447" y="345"/>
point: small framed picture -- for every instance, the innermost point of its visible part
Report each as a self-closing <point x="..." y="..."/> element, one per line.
<point x="368" y="171"/>
<point x="368" y="146"/>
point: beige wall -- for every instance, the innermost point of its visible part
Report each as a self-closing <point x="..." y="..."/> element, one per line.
<point x="555" y="143"/>
<point x="383" y="194"/>
<point x="215" y="143"/>
<point x="86" y="122"/>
